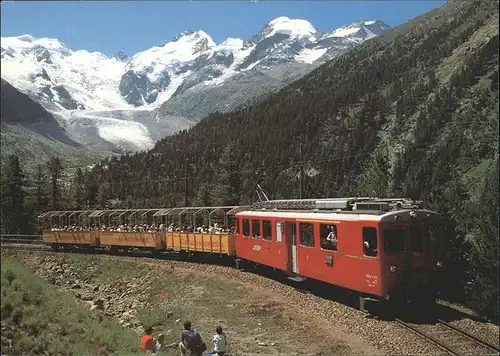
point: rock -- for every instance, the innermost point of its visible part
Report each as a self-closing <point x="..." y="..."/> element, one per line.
<point x="262" y="344"/>
<point x="86" y="296"/>
<point x="127" y="315"/>
<point x="170" y="315"/>
<point x="96" y="288"/>
<point x="99" y="303"/>
<point x="93" y="307"/>
<point x="76" y="286"/>
<point x="273" y="344"/>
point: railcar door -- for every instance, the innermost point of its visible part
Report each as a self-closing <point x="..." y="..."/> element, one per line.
<point x="291" y="245"/>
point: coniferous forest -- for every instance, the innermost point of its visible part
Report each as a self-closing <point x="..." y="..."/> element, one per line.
<point x="411" y="113"/>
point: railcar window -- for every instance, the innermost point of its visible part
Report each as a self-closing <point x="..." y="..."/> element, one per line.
<point x="306" y="234"/>
<point x="279" y="231"/>
<point x="416" y="239"/>
<point x="256" y="229"/>
<point x="395" y="240"/>
<point x="370" y="246"/>
<point x="267" y="230"/>
<point x="246" y="228"/>
<point x="328" y="236"/>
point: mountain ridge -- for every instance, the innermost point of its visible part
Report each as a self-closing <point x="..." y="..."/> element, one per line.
<point x="150" y="74"/>
<point x="167" y="88"/>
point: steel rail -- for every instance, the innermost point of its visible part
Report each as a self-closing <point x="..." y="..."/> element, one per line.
<point x="426" y="336"/>
<point x="442" y="344"/>
<point x="469" y="336"/>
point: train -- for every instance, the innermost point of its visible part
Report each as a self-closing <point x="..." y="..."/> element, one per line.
<point x="384" y="250"/>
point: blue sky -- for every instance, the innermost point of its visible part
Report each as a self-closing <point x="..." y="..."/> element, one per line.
<point x="133" y="26"/>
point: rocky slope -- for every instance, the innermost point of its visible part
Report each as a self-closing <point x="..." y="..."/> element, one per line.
<point x="182" y="80"/>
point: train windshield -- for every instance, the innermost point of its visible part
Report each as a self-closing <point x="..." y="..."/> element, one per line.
<point x="416" y="239"/>
<point x="433" y="236"/>
<point x="394" y="240"/>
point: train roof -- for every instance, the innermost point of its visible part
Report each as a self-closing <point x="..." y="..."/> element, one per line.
<point x="348" y="209"/>
<point x="342" y="209"/>
<point x="332" y="217"/>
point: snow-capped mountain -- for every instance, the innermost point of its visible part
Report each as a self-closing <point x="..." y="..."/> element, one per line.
<point x="81" y="85"/>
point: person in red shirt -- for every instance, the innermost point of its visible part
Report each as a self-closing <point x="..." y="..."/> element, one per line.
<point x="147" y="341"/>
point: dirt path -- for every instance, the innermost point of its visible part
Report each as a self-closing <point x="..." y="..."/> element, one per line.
<point x="263" y="303"/>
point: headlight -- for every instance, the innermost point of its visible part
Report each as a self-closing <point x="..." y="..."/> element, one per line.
<point x="439" y="264"/>
<point x="392" y="268"/>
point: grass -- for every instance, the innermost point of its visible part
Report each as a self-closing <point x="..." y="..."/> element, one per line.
<point x="37" y="319"/>
<point x="459" y="307"/>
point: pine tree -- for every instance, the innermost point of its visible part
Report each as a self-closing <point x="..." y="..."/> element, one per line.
<point x="484" y="274"/>
<point x="14" y="217"/>
<point x="78" y="189"/>
<point x="103" y="196"/>
<point x="55" y="169"/>
<point x="203" y="197"/>
<point x="91" y="189"/>
<point x="40" y="198"/>
<point x="227" y="184"/>
<point x="375" y="179"/>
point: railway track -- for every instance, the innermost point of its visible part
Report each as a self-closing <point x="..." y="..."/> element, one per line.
<point x="451" y="339"/>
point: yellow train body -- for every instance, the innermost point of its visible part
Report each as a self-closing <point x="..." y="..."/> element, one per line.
<point x="71" y="238"/>
<point x="131" y="239"/>
<point x="213" y="243"/>
<point x="176" y="241"/>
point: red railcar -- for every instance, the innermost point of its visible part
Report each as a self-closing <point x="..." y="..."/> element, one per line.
<point x="384" y="249"/>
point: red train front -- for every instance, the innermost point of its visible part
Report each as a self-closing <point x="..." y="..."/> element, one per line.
<point x="384" y="249"/>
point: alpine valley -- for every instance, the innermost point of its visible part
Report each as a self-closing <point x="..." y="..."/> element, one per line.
<point x="126" y="103"/>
